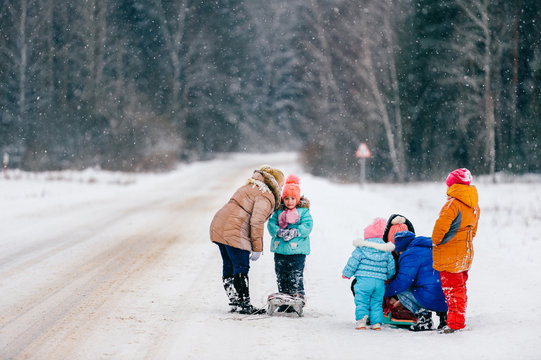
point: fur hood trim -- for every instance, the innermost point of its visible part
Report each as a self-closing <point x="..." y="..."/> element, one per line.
<point x="303" y="203"/>
<point x="269" y="183"/>
<point x="387" y="247"/>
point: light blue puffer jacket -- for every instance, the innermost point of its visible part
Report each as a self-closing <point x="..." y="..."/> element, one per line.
<point x="371" y="258"/>
<point x="299" y="244"/>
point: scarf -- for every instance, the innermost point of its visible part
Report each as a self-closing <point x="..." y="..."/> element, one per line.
<point x="288" y="216"/>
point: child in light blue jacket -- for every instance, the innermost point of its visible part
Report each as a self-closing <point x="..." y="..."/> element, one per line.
<point x="371" y="263"/>
<point x="290" y="227"/>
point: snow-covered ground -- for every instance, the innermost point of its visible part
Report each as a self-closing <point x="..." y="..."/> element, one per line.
<point x="98" y="265"/>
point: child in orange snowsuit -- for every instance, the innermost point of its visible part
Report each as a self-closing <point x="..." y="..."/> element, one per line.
<point x="452" y="245"/>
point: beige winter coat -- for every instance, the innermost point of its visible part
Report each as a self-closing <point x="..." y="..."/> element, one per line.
<point x="240" y="222"/>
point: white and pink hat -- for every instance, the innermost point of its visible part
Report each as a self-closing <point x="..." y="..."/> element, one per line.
<point x="459" y="176"/>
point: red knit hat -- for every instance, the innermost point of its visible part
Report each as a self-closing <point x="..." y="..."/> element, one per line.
<point x="396" y="228"/>
<point x="376" y="229"/>
<point x="292" y="188"/>
<point x="459" y="176"/>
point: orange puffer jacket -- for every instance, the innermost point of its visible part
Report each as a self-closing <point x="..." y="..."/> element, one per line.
<point x="240" y="222"/>
<point x="452" y="245"/>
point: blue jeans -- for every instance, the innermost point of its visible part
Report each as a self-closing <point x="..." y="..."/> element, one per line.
<point x="235" y="261"/>
<point x="289" y="271"/>
<point x="369" y="299"/>
<point x="408" y="300"/>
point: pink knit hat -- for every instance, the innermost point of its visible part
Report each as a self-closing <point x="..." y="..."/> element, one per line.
<point x="292" y="188"/>
<point x="396" y="228"/>
<point x="459" y="176"/>
<point x="376" y="229"/>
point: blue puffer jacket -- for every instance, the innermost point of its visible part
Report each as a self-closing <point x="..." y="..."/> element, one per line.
<point x="299" y="244"/>
<point x="415" y="272"/>
<point x="371" y="258"/>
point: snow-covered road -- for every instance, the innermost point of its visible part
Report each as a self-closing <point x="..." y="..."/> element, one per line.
<point x="110" y="264"/>
<point x="95" y="265"/>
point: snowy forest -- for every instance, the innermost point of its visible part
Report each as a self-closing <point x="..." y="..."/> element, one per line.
<point x="139" y="85"/>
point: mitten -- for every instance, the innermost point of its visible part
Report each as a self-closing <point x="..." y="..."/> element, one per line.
<point x="255" y="255"/>
<point x="291" y="233"/>
<point x="282" y="232"/>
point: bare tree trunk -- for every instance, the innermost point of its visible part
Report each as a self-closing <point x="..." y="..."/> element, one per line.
<point x="23" y="62"/>
<point x="378" y="82"/>
<point x="490" y="125"/>
<point x="100" y="33"/>
<point x="50" y="87"/>
<point x="62" y="78"/>
<point x="488" y="95"/>
<point x="323" y="54"/>
<point x="93" y="28"/>
<point x="478" y="13"/>
<point x="514" y="84"/>
<point x="400" y="156"/>
<point x="380" y="104"/>
<point x="173" y="35"/>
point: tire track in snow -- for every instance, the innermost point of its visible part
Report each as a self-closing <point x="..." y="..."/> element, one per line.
<point x="67" y="301"/>
<point x="42" y="249"/>
<point x="46" y="317"/>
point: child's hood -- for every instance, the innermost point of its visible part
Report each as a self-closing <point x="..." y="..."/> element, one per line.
<point x="303" y="203"/>
<point x="466" y="194"/>
<point x="266" y="182"/>
<point x="374" y="243"/>
<point x="422" y="241"/>
<point x="406" y="239"/>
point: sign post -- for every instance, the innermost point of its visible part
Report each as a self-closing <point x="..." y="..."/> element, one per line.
<point x="363" y="153"/>
<point x="5" y="167"/>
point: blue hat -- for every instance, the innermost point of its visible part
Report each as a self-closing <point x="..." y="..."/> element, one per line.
<point x="402" y="240"/>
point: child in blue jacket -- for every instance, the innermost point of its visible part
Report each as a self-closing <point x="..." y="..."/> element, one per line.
<point x="417" y="284"/>
<point x="371" y="263"/>
<point x="290" y="227"/>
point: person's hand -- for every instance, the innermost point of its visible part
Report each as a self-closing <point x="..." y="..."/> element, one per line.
<point x="396" y="304"/>
<point x="290" y="234"/>
<point x="282" y="232"/>
<point x="255" y="255"/>
<point x="343" y="277"/>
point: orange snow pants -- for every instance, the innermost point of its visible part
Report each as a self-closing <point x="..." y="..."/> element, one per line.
<point x="454" y="288"/>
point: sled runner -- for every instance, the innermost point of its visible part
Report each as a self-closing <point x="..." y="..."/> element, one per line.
<point x="279" y="302"/>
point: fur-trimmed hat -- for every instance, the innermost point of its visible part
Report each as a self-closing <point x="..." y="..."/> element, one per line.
<point x="375" y="230"/>
<point x="277" y="174"/>
<point x="292" y="188"/>
<point x="459" y="176"/>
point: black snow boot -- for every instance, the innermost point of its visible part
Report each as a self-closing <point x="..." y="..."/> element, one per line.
<point x="231" y="292"/>
<point x="443" y="319"/>
<point x="424" y="321"/>
<point x="243" y="291"/>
